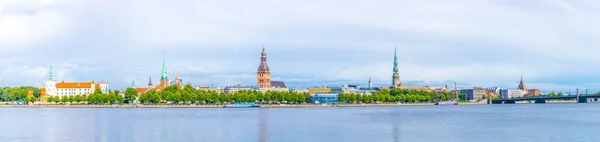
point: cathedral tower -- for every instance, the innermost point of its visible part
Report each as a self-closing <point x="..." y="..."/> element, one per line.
<point x="522" y="85"/>
<point x="263" y="75"/>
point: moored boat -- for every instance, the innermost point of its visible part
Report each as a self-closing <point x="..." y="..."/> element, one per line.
<point x="241" y="105"/>
<point x="446" y="103"/>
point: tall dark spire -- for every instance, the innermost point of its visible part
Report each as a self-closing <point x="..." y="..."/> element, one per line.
<point x="522" y="85"/>
<point x="150" y="81"/>
<point x="395" y="74"/>
<point x="521" y="78"/>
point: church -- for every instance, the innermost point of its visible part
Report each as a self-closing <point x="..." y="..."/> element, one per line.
<point x="263" y="76"/>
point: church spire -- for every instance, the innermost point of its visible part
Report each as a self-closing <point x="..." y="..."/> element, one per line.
<point x="521" y="78"/>
<point x="133" y="84"/>
<point x="263" y="57"/>
<point x="522" y="85"/>
<point x="177" y="75"/>
<point x="150" y="81"/>
<point x="50" y="77"/>
<point x="395" y="74"/>
<point x="164" y="68"/>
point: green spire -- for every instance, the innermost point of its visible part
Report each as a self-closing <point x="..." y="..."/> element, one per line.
<point x="50" y="77"/>
<point x="133" y="84"/>
<point x="164" y="69"/>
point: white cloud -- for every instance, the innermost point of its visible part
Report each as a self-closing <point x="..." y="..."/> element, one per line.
<point x="217" y="42"/>
<point x="30" y="22"/>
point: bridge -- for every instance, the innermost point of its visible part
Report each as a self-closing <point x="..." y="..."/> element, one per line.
<point x="540" y="100"/>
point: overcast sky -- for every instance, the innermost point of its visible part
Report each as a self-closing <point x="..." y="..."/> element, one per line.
<point x="553" y="43"/>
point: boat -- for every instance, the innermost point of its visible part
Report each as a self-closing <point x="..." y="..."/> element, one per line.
<point x="446" y="103"/>
<point x="241" y="105"/>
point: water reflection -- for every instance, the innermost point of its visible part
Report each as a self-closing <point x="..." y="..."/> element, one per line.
<point x="548" y="122"/>
<point x="263" y="133"/>
<point x="396" y="131"/>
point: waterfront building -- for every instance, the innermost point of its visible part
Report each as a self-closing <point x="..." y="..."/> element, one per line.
<point x="263" y="75"/>
<point x="534" y="92"/>
<point x="277" y="86"/>
<point x="319" y="90"/>
<point x="441" y="90"/>
<point x="63" y="88"/>
<point x="299" y="90"/>
<point x="77" y="88"/>
<point x="324" y="98"/>
<point x="338" y="89"/>
<point x="474" y="94"/>
<point x="416" y="88"/>
<point x="493" y="90"/>
<point x="357" y="87"/>
<point x="511" y="93"/>
<point x="204" y="88"/>
<point x="236" y="88"/>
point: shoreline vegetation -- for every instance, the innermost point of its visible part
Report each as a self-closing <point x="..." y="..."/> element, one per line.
<point x="215" y="106"/>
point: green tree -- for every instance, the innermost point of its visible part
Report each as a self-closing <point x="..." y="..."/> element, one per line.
<point x="462" y="96"/>
<point x="77" y="98"/>
<point x="130" y="95"/>
<point x="120" y="99"/>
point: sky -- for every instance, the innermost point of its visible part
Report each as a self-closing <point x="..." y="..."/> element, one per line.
<point x="486" y="43"/>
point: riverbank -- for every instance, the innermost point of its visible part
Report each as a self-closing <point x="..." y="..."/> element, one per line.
<point x="114" y="106"/>
<point x="211" y="106"/>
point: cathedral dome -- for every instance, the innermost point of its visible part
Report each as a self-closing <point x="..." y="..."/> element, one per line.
<point x="263" y="68"/>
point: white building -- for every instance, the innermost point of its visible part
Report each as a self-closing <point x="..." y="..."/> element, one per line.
<point x="63" y="88"/>
<point x="511" y="93"/>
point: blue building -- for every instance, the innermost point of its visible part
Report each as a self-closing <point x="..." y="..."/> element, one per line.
<point x="324" y="98"/>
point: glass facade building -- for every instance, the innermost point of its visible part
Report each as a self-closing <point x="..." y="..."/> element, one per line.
<point x="324" y="98"/>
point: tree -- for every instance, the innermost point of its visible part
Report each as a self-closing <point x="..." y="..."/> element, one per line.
<point x="30" y="99"/>
<point x="130" y="95"/>
<point x="462" y="96"/>
<point x="77" y="98"/>
<point x="111" y="98"/>
<point x="64" y="99"/>
<point x="121" y="99"/>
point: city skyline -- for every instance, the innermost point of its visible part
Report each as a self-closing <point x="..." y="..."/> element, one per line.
<point x="480" y="43"/>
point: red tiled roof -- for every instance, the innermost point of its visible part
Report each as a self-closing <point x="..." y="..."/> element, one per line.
<point x="75" y="85"/>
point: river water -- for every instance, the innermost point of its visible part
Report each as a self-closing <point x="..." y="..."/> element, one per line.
<point x="490" y="123"/>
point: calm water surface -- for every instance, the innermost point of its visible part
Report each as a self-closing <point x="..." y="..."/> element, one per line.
<point x="490" y="123"/>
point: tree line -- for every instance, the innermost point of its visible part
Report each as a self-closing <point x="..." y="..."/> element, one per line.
<point x="98" y="97"/>
<point x="18" y="93"/>
<point x="187" y="94"/>
<point x="395" y="95"/>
